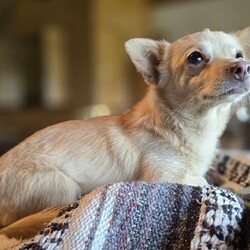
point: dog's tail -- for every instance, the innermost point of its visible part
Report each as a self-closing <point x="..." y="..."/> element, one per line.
<point x="29" y="226"/>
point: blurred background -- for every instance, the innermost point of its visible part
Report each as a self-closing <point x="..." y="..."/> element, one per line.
<point x="62" y="59"/>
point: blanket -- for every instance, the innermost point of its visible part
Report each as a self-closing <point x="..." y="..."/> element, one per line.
<point x="155" y="215"/>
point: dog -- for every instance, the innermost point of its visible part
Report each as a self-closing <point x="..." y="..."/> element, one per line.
<point x="171" y="135"/>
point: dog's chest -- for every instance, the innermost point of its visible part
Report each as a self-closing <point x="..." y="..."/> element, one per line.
<point x="201" y="140"/>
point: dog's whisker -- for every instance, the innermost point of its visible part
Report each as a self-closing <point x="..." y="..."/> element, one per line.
<point x="184" y="104"/>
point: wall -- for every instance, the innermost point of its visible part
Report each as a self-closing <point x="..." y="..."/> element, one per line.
<point x="173" y="20"/>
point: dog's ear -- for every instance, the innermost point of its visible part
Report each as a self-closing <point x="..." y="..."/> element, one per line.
<point x="146" y="54"/>
<point x="244" y="38"/>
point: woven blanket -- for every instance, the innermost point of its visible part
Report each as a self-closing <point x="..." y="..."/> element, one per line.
<point x="146" y="215"/>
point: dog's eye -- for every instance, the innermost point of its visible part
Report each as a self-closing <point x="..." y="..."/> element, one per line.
<point x="239" y="55"/>
<point x="195" y="58"/>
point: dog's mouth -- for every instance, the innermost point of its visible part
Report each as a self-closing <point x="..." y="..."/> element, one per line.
<point x="233" y="91"/>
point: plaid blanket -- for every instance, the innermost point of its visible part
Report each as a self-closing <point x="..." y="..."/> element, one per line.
<point x="146" y="215"/>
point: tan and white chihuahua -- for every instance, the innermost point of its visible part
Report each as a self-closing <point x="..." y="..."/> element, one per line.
<point x="171" y="135"/>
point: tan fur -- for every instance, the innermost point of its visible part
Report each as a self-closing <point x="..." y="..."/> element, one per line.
<point x="33" y="224"/>
<point x="171" y="135"/>
<point x="7" y="243"/>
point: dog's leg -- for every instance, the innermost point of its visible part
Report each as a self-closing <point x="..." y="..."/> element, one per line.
<point x="34" y="191"/>
<point x="195" y="180"/>
<point x="29" y="226"/>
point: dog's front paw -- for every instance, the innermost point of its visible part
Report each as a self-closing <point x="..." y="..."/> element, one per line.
<point x="195" y="181"/>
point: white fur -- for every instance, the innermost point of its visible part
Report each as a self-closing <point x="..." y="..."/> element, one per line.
<point x="171" y="135"/>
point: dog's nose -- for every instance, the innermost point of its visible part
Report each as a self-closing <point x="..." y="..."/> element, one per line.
<point x="240" y="70"/>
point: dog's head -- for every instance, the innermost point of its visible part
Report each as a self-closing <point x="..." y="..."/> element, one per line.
<point x="205" y="68"/>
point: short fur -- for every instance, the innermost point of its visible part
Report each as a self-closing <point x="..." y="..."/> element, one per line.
<point x="171" y="135"/>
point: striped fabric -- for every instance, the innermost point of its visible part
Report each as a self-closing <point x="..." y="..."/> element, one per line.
<point x="146" y="215"/>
